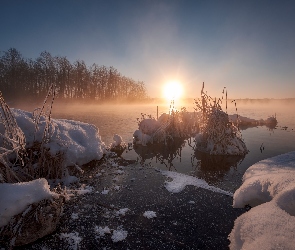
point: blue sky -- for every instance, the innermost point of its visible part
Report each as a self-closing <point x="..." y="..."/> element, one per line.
<point x="247" y="46"/>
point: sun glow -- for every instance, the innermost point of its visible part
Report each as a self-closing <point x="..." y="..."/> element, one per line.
<point x="172" y="90"/>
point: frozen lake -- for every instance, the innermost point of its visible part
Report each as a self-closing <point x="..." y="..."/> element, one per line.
<point x="222" y="171"/>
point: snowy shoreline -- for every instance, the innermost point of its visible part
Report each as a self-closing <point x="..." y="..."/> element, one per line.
<point x="268" y="187"/>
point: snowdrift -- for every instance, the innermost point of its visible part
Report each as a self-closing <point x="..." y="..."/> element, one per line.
<point x="80" y="142"/>
<point x="269" y="187"/>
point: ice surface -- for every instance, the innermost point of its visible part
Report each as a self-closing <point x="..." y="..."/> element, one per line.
<point x="16" y="197"/>
<point x="180" y="181"/>
<point x="73" y="240"/>
<point x="269" y="186"/>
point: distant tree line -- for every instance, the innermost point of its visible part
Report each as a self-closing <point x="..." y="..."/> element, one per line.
<point x="20" y="77"/>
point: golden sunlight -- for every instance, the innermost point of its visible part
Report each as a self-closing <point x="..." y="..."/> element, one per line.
<point x="172" y="90"/>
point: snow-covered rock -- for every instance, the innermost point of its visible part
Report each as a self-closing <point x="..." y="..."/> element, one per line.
<point x="269" y="187"/>
<point x="15" y="198"/>
<point x="28" y="211"/>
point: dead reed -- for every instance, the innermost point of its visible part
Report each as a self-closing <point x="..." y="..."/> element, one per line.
<point x="18" y="163"/>
<point x="219" y="135"/>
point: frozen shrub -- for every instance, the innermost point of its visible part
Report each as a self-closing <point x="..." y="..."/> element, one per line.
<point x="218" y="136"/>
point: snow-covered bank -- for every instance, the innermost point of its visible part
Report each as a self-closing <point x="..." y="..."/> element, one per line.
<point x="51" y="146"/>
<point x="80" y="142"/>
<point x="15" y="198"/>
<point x="269" y="187"/>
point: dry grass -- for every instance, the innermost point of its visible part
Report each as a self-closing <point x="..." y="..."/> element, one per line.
<point x="18" y="163"/>
<point x="219" y="135"/>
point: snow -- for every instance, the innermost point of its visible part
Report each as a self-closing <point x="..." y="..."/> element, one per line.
<point x="122" y="211"/>
<point x="220" y="137"/>
<point x="119" y="234"/>
<point x="105" y="191"/>
<point x="79" y="141"/>
<point x="149" y="214"/>
<point x="75" y="216"/>
<point x="73" y="240"/>
<point x="82" y="190"/>
<point x="141" y="138"/>
<point x="117" y="140"/>
<point x="180" y="181"/>
<point x="102" y="231"/>
<point x="119" y="171"/>
<point x="269" y="187"/>
<point x="16" y="197"/>
<point x="149" y="126"/>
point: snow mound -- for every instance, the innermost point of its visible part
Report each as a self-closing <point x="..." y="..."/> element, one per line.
<point x="16" y="197"/>
<point x="149" y="214"/>
<point x="117" y="140"/>
<point x="149" y="126"/>
<point x="80" y="142"/>
<point x="265" y="180"/>
<point x="141" y="138"/>
<point x="180" y="181"/>
<point x="269" y="186"/>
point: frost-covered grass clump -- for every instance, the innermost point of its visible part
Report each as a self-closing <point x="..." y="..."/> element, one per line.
<point x="176" y="124"/>
<point x="218" y="135"/>
<point x="33" y="145"/>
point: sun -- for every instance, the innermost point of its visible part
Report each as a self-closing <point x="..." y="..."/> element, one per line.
<point x="172" y="90"/>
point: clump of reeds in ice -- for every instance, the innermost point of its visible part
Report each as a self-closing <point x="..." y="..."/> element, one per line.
<point x="218" y="136"/>
<point x="176" y="124"/>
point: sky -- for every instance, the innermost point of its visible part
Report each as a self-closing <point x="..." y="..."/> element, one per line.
<point x="246" y="46"/>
